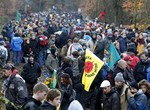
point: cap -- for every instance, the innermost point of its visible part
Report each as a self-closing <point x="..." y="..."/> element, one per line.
<point x="127" y="58"/>
<point x="105" y="83"/>
<point x="119" y="77"/>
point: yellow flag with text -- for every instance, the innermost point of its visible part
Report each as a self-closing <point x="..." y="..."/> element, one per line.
<point x="91" y="68"/>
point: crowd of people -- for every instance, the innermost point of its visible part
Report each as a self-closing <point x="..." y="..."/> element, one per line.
<point x="57" y="42"/>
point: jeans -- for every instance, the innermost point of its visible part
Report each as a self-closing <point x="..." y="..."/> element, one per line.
<point x="42" y="57"/>
<point x="26" y="59"/>
<point x="16" y="57"/>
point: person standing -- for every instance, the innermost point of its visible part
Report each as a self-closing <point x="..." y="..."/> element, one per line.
<point x="14" y="87"/>
<point x="52" y="100"/>
<point x="40" y="91"/>
<point x="31" y="72"/>
<point x="122" y="89"/>
<point x="100" y="46"/>
<point x="111" y="100"/>
<point x="138" y="100"/>
<point x="16" y="46"/>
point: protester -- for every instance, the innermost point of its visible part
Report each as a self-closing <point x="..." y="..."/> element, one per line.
<point x="140" y="70"/>
<point x="52" y="100"/>
<point x="137" y="100"/>
<point x="145" y="86"/>
<point x="14" y="87"/>
<point x="16" y="46"/>
<point x="111" y="100"/>
<point x="31" y="71"/>
<point x="40" y="91"/>
<point x="122" y="89"/>
<point x="66" y="88"/>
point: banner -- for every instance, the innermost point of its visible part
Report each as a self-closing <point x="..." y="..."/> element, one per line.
<point x="91" y="68"/>
<point x="18" y="16"/>
<point x="113" y="56"/>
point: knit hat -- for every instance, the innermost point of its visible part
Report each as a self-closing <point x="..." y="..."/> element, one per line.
<point x="119" y="77"/>
<point x="134" y="84"/>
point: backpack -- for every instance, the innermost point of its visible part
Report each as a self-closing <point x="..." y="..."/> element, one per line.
<point x="2" y="53"/>
<point x="43" y="40"/>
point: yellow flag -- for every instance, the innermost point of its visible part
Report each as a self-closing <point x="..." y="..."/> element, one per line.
<point x="91" y="68"/>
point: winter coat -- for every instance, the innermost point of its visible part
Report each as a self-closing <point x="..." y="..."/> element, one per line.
<point x="99" y="49"/>
<point x="68" y="69"/>
<point x="15" y="89"/>
<point x="74" y="47"/>
<point x="67" y="91"/>
<point x="47" y="106"/>
<point x="126" y="74"/>
<point x="31" y="104"/>
<point x="138" y="102"/>
<point x="34" y="45"/>
<point x="140" y="70"/>
<point x="52" y="61"/>
<point x="27" y="50"/>
<point x="4" y="49"/>
<point x="30" y="73"/>
<point x="16" y="43"/>
<point x="124" y="97"/>
<point x="61" y="40"/>
<point x="111" y="101"/>
<point x="123" y="44"/>
<point x="148" y="100"/>
<point x="135" y="60"/>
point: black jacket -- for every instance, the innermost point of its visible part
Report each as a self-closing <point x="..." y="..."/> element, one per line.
<point x="111" y="101"/>
<point x="47" y="106"/>
<point x="15" y="90"/>
<point x="31" y="104"/>
<point x="140" y="70"/>
<point x="99" y="50"/>
<point x="30" y="73"/>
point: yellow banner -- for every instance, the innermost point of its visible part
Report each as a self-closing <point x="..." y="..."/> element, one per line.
<point x="91" y="68"/>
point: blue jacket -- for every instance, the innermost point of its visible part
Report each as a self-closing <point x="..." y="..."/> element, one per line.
<point x="123" y="44"/>
<point x="138" y="102"/>
<point x="16" y="43"/>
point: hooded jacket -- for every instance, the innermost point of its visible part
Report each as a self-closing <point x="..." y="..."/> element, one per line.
<point x="75" y="105"/>
<point x="16" y="43"/>
<point x="31" y="71"/>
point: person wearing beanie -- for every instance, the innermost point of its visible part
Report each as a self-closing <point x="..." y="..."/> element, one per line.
<point x="75" y="105"/>
<point x="110" y="97"/>
<point x="122" y="89"/>
<point x="137" y="100"/>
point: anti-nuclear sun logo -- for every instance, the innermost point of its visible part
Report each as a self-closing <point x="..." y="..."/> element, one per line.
<point x="88" y="66"/>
